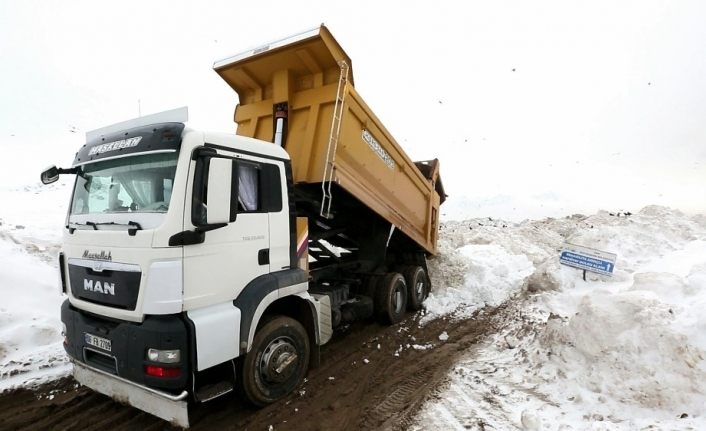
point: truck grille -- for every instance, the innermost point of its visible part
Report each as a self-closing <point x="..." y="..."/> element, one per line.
<point x="105" y="283"/>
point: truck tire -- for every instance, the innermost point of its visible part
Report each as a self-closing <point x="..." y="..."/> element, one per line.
<point x="417" y="286"/>
<point x="391" y="298"/>
<point x="277" y="362"/>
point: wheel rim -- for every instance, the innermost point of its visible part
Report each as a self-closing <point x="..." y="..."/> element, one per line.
<point x="419" y="290"/>
<point x="397" y="300"/>
<point x="279" y="361"/>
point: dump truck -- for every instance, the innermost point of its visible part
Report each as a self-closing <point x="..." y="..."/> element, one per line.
<point x="197" y="263"/>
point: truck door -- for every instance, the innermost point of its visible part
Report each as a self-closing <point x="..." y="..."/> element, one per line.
<point x="233" y="251"/>
<point x="278" y="213"/>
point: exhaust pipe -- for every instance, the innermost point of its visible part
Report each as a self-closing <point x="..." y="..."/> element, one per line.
<point x="280" y="123"/>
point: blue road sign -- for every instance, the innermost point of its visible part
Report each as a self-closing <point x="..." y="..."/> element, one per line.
<point x="588" y="259"/>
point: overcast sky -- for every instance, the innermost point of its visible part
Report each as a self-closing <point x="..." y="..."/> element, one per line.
<point x="534" y="108"/>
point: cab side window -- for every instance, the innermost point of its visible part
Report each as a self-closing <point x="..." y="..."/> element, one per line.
<point x="259" y="187"/>
<point x="248" y="187"/>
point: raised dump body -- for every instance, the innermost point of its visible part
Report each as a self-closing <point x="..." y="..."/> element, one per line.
<point x="304" y="84"/>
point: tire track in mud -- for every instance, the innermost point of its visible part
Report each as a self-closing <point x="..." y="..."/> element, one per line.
<point x="397" y="410"/>
<point x="399" y="400"/>
<point x="360" y="384"/>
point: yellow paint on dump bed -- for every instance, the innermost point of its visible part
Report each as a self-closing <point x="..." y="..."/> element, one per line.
<point x="305" y="72"/>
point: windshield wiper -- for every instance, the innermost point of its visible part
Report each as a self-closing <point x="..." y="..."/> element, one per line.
<point x="73" y="228"/>
<point x="132" y="229"/>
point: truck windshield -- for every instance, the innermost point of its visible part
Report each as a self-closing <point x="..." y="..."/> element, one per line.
<point x="140" y="183"/>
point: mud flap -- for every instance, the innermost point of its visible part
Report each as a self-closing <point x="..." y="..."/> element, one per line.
<point x="171" y="408"/>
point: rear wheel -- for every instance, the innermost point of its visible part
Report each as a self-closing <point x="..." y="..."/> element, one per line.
<point x="417" y="286"/>
<point x="391" y="298"/>
<point x="277" y="363"/>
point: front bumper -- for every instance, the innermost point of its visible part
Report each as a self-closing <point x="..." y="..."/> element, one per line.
<point x="171" y="408"/>
<point x="126" y="357"/>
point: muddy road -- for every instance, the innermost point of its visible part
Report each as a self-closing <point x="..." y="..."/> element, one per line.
<point x="371" y="377"/>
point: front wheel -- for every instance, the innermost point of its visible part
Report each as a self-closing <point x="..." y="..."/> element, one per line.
<point x="277" y="363"/>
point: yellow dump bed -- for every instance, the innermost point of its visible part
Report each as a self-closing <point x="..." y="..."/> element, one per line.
<point x="331" y="134"/>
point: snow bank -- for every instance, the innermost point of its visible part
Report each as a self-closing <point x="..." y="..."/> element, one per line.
<point x="491" y="276"/>
<point x="618" y="353"/>
<point x="31" y="350"/>
<point x="484" y="262"/>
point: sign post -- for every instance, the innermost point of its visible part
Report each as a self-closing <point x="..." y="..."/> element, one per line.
<point x="588" y="259"/>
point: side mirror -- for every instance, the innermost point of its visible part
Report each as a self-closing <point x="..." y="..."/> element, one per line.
<point x="215" y="193"/>
<point x="220" y="178"/>
<point x="50" y="175"/>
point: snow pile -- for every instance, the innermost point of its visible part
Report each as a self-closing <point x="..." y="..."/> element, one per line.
<point x="492" y="275"/>
<point x="31" y="350"/>
<point x="484" y="262"/>
<point x="30" y="329"/>
<point x="619" y="353"/>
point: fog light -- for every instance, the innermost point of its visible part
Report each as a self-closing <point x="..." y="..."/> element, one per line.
<point x="63" y="333"/>
<point x="164" y="356"/>
<point x="156" y="371"/>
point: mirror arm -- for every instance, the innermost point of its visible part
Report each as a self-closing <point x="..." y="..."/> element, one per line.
<point x="196" y="236"/>
<point x="208" y="227"/>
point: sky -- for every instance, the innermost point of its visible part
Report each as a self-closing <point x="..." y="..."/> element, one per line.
<point x="535" y="109"/>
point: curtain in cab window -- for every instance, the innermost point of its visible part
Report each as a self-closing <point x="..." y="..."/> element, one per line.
<point x="248" y="186"/>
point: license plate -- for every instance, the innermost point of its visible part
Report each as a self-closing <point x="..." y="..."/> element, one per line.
<point x="100" y="342"/>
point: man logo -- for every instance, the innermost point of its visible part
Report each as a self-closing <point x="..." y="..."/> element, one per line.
<point x="105" y="288"/>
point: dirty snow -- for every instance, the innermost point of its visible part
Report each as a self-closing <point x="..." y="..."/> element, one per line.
<point x="31" y="350"/>
<point x="491" y="275"/>
<point x="619" y="353"/>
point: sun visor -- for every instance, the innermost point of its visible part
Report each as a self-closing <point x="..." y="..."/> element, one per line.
<point x="152" y="138"/>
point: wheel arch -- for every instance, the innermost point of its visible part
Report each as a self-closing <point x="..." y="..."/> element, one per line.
<point x="299" y="309"/>
<point x="259" y="294"/>
<point x="280" y="293"/>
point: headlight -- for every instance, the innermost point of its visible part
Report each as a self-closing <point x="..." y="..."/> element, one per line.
<point x="164" y="356"/>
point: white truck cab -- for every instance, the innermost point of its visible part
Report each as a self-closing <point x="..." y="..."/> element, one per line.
<point x="176" y="242"/>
